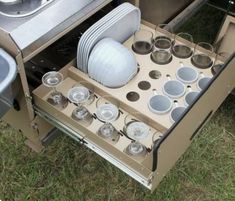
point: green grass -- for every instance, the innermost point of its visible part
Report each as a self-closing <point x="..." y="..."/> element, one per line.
<point x="67" y="171"/>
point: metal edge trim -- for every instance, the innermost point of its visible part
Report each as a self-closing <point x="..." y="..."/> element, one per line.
<point x="74" y="135"/>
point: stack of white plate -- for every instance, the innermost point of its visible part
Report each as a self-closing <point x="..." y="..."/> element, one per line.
<point x="119" y="24"/>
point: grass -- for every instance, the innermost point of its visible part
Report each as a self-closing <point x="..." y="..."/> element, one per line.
<point x="67" y="171"/>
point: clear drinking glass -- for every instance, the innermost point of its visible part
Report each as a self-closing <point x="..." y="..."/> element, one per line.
<point x="202" y="55"/>
<point x="136" y="149"/>
<point x="161" y="57"/>
<point x="183" y="45"/>
<point x="143" y="41"/>
<point x="90" y="89"/>
<point x="52" y="80"/>
<point x="80" y="95"/>
<point x="107" y="111"/>
<point x="220" y="58"/>
<point x="135" y="129"/>
<point x="163" y="37"/>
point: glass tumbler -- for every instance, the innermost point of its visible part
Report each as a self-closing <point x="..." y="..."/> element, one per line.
<point x="202" y="55"/>
<point x="107" y="111"/>
<point x="182" y="45"/>
<point x="163" y="37"/>
<point x="220" y="58"/>
<point x="143" y="41"/>
<point x="135" y="129"/>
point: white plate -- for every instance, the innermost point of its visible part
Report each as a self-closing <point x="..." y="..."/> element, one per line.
<point x="127" y="24"/>
<point x="98" y="31"/>
<point x="94" y="27"/>
<point x="95" y="34"/>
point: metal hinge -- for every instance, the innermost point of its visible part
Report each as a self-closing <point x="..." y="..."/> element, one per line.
<point x="35" y="127"/>
<point x="28" y="97"/>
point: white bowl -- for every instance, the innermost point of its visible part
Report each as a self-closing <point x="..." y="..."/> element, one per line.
<point x="111" y="64"/>
<point x="187" y="75"/>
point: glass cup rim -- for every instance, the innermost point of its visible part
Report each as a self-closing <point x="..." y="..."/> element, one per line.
<point x="112" y="107"/>
<point x="53" y="73"/>
<point x="73" y="89"/>
<point x="144" y="30"/>
<point x="199" y="45"/>
<point x="142" y="153"/>
<point x="184" y="33"/>
<point x="145" y="127"/>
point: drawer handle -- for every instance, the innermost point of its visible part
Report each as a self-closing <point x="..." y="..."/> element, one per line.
<point x="202" y="124"/>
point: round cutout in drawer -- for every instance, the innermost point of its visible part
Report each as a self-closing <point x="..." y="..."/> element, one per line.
<point x="144" y="85"/>
<point x="133" y="96"/>
<point x="155" y="74"/>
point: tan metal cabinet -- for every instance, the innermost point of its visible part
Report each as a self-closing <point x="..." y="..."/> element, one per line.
<point x="166" y="142"/>
<point x="170" y="139"/>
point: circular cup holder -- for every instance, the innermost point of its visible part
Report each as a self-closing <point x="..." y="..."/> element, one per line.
<point x="155" y="74"/>
<point x="133" y="96"/>
<point x="161" y="57"/>
<point x="144" y="85"/>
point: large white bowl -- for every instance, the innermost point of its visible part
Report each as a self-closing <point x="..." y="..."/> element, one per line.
<point x="111" y="64"/>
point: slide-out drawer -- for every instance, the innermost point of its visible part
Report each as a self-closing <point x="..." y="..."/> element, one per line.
<point x="166" y="140"/>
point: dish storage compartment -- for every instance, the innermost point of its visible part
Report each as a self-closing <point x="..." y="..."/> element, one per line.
<point x="157" y="114"/>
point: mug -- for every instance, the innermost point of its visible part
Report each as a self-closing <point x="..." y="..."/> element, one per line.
<point x="160" y="104"/>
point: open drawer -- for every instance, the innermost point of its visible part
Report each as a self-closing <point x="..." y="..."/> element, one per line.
<point x="166" y="140"/>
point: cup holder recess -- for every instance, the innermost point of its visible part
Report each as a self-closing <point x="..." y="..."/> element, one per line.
<point x="144" y="85"/>
<point x="133" y="96"/>
<point x="155" y="74"/>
